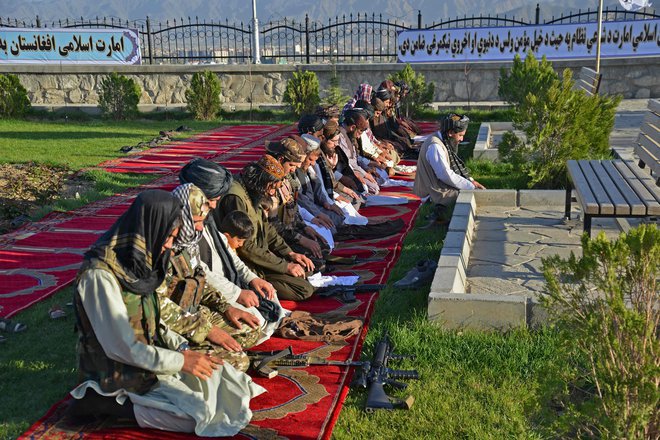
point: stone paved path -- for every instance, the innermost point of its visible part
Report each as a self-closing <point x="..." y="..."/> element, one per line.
<point x="509" y="244"/>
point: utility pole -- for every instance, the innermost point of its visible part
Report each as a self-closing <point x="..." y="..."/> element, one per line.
<point x="600" y="32"/>
<point x="255" y="34"/>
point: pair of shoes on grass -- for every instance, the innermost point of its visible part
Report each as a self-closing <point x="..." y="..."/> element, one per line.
<point x="9" y="326"/>
<point x="419" y="275"/>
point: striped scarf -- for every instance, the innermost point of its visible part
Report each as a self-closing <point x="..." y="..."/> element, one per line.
<point x="192" y="198"/>
<point x="455" y="163"/>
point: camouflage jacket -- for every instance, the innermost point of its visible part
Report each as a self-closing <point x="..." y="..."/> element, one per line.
<point x="187" y="303"/>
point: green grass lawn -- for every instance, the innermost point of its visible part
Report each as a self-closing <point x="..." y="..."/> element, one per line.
<point x="76" y="144"/>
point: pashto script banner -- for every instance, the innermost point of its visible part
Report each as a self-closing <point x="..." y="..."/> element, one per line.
<point x="67" y="46"/>
<point x="565" y="41"/>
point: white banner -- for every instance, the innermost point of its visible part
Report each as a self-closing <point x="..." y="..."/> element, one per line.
<point x="564" y="41"/>
<point x="69" y="46"/>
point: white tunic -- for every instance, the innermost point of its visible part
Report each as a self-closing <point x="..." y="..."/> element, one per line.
<point x="218" y="406"/>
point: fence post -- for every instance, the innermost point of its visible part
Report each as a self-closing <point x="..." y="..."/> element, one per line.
<point x="538" y="13"/>
<point x="151" y="57"/>
<point x="307" y="38"/>
<point x="419" y="19"/>
<point x="38" y="22"/>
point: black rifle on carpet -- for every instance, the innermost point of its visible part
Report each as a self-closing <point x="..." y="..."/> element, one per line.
<point x="346" y="294"/>
<point x="372" y="375"/>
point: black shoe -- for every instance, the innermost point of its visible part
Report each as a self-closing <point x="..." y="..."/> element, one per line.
<point x="419" y="275"/>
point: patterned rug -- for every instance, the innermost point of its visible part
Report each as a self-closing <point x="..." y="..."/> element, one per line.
<point x="302" y="402"/>
<point x="40" y="258"/>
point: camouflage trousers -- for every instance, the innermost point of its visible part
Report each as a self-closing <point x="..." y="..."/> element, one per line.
<point x="246" y="336"/>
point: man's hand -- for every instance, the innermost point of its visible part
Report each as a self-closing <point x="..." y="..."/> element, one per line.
<point x="312" y="233"/>
<point x="295" y="269"/>
<point x="320" y="221"/>
<point x="327" y="220"/>
<point x="248" y="298"/>
<point x="349" y="192"/>
<point x="478" y="185"/>
<point x="302" y="260"/>
<point x="263" y="288"/>
<point x="235" y="316"/>
<point x="223" y="339"/>
<point x="312" y="245"/>
<point x="348" y="182"/>
<point x="200" y="364"/>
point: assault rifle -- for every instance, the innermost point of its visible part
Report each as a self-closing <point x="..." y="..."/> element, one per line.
<point x="346" y="294"/>
<point x="379" y="374"/>
<point x="372" y="375"/>
<point x="263" y="362"/>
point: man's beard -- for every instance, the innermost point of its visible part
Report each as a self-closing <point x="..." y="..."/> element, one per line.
<point x="453" y="144"/>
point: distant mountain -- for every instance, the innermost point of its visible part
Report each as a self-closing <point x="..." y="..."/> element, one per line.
<point x="273" y="10"/>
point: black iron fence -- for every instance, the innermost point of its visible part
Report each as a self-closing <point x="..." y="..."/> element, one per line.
<point x="360" y="38"/>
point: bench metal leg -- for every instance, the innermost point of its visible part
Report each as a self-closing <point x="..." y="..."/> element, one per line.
<point x="567" y="207"/>
<point x="587" y="224"/>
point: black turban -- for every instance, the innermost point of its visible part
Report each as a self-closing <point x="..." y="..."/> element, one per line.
<point x="213" y="179"/>
<point x="310" y="124"/>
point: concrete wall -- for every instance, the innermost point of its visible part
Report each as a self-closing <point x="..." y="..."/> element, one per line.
<point x="264" y="85"/>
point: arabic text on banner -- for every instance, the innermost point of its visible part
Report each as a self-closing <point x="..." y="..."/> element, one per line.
<point x="69" y="46"/>
<point x="566" y="41"/>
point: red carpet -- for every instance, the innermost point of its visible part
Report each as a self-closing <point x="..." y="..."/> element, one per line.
<point x="301" y="403"/>
<point x="41" y="258"/>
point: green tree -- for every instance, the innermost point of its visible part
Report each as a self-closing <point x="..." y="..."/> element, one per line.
<point x="302" y="92"/>
<point x="334" y="95"/>
<point x="525" y="77"/>
<point x="560" y="123"/>
<point x="119" y="97"/>
<point x="203" y="96"/>
<point x="14" y="102"/>
<point x="420" y="94"/>
<point x="606" y="307"/>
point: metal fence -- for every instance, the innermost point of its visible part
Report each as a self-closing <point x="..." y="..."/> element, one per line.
<point x="360" y="38"/>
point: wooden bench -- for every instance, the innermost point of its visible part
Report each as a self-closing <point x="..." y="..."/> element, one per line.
<point x="588" y="80"/>
<point x="647" y="146"/>
<point x="620" y="188"/>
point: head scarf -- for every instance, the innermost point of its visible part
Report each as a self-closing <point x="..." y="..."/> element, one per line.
<point x="210" y="177"/>
<point x="132" y="248"/>
<point x="379" y="105"/>
<point x="454" y="122"/>
<point x="363" y="92"/>
<point x="194" y="203"/>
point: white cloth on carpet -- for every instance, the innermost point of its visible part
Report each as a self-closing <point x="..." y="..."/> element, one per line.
<point x="319" y="280"/>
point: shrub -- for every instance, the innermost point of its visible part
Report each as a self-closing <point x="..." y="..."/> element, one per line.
<point x="559" y="124"/>
<point x="302" y="92"/>
<point x="526" y="77"/>
<point x="607" y="309"/>
<point x="420" y="92"/>
<point x="334" y="95"/>
<point x="14" y="101"/>
<point x="203" y="96"/>
<point x="119" y="97"/>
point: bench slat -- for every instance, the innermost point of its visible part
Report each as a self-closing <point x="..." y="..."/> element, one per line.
<point x="648" y="152"/>
<point x="603" y="199"/>
<point x="650" y="186"/>
<point x="637" y="207"/>
<point x="624" y="167"/>
<point x="585" y="196"/>
<point x="654" y="105"/>
<point x="621" y="206"/>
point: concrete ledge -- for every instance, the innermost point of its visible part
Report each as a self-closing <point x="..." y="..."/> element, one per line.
<point x="538" y="197"/>
<point x="449" y="279"/>
<point x="496" y="197"/>
<point x="479" y="312"/>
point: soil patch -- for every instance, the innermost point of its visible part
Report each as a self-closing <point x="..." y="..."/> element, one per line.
<point x="26" y="187"/>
